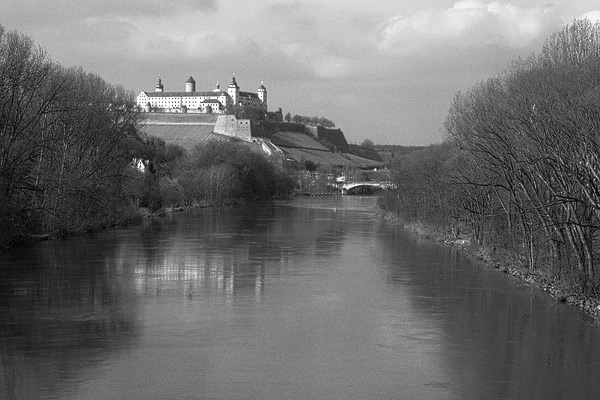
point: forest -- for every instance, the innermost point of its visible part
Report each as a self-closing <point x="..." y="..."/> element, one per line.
<point x="519" y="169"/>
<point x="69" y="142"/>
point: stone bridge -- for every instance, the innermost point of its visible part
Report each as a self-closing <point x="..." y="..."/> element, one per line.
<point x="351" y="186"/>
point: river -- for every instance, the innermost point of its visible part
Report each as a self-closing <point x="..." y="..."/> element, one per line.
<point x="310" y="298"/>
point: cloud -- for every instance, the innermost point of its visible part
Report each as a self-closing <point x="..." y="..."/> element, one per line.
<point x="467" y="24"/>
<point x="312" y="36"/>
<point x="52" y="12"/>
<point x="593" y="16"/>
<point x="178" y="46"/>
<point x="157" y="8"/>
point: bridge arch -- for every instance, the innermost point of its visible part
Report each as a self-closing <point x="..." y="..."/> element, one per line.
<point x="365" y="188"/>
<point x="351" y="187"/>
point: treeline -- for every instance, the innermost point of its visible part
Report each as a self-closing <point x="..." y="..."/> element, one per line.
<point x="214" y="173"/>
<point x="68" y="142"/>
<point x="63" y="143"/>
<point x="314" y="121"/>
<point x="520" y="166"/>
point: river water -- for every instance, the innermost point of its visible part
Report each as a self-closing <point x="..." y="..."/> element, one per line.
<point x="311" y="298"/>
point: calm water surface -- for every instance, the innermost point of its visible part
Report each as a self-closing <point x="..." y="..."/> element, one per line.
<point x="313" y="298"/>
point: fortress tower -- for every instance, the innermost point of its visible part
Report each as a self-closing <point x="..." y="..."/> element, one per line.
<point x="262" y="94"/>
<point x="190" y="85"/>
<point x="159" y="86"/>
<point x="233" y="90"/>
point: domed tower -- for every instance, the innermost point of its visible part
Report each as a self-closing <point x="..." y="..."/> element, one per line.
<point x="218" y="88"/>
<point x="190" y="85"/>
<point x="262" y="95"/>
<point x="159" y="86"/>
<point x="233" y="90"/>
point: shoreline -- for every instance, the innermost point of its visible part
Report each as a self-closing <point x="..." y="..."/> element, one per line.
<point x="140" y="214"/>
<point x="560" y="290"/>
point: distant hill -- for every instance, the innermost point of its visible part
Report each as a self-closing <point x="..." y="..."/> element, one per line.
<point x="391" y="151"/>
<point x="364" y="152"/>
<point x="396" y="148"/>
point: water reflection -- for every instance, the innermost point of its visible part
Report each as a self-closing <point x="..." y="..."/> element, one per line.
<point x="311" y="298"/>
<point x="500" y="339"/>
<point x="61" y="309"/>
<point x="228" y="252"/>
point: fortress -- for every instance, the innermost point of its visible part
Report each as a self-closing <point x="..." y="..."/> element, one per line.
<point x="216" y="101"/>
<point x="190" y="117"/>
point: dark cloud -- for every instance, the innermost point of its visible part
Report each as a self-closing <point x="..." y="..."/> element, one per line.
<point x="35" y="13"/>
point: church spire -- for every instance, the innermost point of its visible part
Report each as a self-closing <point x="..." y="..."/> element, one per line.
<point x="159" y="86"/>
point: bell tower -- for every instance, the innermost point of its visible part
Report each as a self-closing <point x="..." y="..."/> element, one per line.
<point x="262" y="95"/>
<point x="190" y="85"/>
<point x="159" y="86"/>
<point x="233" y="90"/>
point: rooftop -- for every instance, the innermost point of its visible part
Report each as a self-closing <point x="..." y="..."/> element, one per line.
<point x="185" y="94"/>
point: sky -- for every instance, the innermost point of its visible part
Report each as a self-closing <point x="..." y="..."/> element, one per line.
<point x="384" y="70"/>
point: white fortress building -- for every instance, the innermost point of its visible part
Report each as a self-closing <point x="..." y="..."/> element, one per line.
<point x="216" y="101"/>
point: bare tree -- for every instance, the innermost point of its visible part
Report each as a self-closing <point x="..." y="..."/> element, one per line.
<point x="62" y="135"/>
<point x="532" y="136"/>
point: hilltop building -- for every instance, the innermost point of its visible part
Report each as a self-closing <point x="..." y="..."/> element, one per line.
<point x="192" y="117"/>
<point x="216" y="101"/>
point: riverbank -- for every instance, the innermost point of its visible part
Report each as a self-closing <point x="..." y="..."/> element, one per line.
<point x="559" y="289"/>
<point x="133" y="216"/>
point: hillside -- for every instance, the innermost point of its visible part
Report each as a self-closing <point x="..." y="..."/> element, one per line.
<point x="298" y="142"/>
